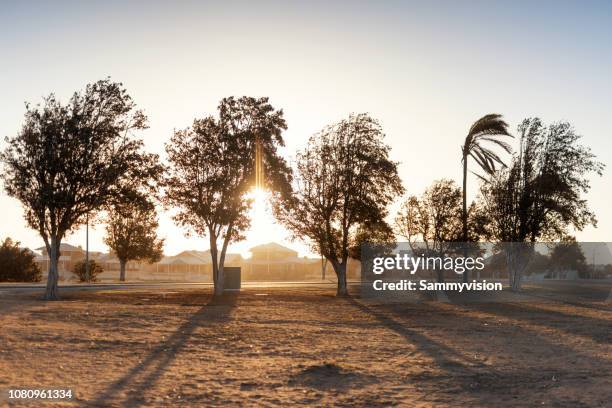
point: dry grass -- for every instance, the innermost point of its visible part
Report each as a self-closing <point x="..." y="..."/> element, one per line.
<point x="303" y="346"/>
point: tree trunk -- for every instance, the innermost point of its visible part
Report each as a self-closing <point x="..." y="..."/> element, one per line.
<point x="217" y="274"/>
<point x="464" y="214"/>
<point x="340" y="269"/>
<point x="441" y="275"/>
<point x="51" y="292"/>
<point x="323" y="267"/>
<point x="122" y="270"/>
<point x="514" y="269"/>
<point x="221" y="271"/>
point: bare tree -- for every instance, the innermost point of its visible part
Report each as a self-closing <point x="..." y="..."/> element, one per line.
<point x="131" y="233"/>
<point x="344" y="183"/>
<point x="71" y="160"/>
<point x="212" y="168"/>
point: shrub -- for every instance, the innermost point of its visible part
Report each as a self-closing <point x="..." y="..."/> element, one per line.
<point x="94" y="270"/>
<point x="17" y="264"/>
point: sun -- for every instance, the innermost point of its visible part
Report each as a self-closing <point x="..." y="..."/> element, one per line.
<point x="259" y="205"/>
<point x="258" y="195"/>
<point x="263" y="227"/>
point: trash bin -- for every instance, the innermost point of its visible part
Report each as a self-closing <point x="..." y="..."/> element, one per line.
<point x="232" y="279"/>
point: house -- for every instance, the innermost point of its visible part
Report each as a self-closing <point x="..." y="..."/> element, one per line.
<point x="69" y="256"/>
<point x="268" y="262"/>
<point x="274" y="262"/>
<point x="272" y="252"/>
<point x="191" y="265"/>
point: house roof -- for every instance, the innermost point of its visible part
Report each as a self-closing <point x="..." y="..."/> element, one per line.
<point x="63" y="247"/>
<point x="201" y="255"/>
<point x="284" y="261"/>
<point x="192" y="257"/>
<point x="272" y="246"/>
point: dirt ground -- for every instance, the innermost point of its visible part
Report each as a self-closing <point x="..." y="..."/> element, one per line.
<point x="285" y="347"/>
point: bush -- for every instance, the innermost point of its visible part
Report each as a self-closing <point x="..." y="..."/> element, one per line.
<point x="17" y="264"/>
<point x="94" y="270"/>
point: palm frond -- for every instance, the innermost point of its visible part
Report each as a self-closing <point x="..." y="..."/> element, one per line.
<point x="498" y="142"/>
<point x="489" y="124"/>
<point x="492" y="156"/>
<point x="479" y="176"/>
<point x="482" y="161"/>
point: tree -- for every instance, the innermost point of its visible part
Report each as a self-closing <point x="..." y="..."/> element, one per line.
<point x="539" y="197"/>
<point x="212" y="168"/>
<point x="70" y="160"/>
<point x="131" y="233"/>
<point x="343" y="185"/>
<point x="486" y="130"/>
<point x="87" y="271"/>
<point x="434" y="219"/>
<point x="568" y="255"/>
<point x="17" y="264"/>
<point x="433" y="222"/>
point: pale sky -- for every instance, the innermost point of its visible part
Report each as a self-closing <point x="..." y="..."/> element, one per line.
<point x="426" y="70"/>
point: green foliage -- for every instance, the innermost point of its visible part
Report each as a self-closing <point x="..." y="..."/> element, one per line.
<point x="80" y="271"/>
<point x="17" y="264"/>
<point x="131" y="232"/>
<point x="567" y="255"/>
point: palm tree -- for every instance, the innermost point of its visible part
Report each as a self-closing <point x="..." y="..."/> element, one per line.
<point x="487" y="129"/>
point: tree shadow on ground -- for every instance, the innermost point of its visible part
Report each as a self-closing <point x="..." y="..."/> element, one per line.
<point x="441" y="354"/>
<point x="142" y="377"/>
<point x="460" y="373"/>
<point x="595" y="296"/>
<point x="599" y="329"/>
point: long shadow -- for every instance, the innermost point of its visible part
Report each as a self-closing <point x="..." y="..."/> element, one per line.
<point x="473" y="376"/>
<point x="549" y="318"/>
<point x="535" y="336"/>
<point x="442" y="355"/>
<point x="153" y="366"/>
<point x="589" y="295"/>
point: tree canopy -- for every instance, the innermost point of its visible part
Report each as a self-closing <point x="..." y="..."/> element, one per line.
<point x="213" y="166"/>
<point x="432" y="223"/>
<point x="71" y="160"/>
<point x="344" y="182"/>
<point x="131" y="233"/>
<point x="17" y="264"/>
<point x="540" y="195"/>
<point x="435" y="218"/>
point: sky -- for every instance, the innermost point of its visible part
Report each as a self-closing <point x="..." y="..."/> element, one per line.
<point x="425" y="70"/>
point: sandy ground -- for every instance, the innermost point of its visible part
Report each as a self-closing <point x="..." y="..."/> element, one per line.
<point x="281" y="347"/>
